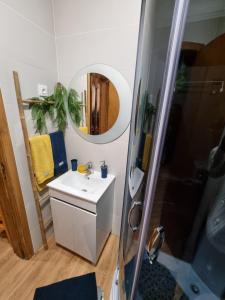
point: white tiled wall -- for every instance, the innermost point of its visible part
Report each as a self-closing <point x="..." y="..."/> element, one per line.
<point x="27" y="45"/>
<point x="85" y="32"/>
<point x="90" y="32"/>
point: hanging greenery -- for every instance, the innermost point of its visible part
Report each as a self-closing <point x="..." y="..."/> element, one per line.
<point x="60" y="96"/>
<point x="181" y="78"/>
<point x="40" y="110"/>
<point x="74" y="107"/>
<point x="149" y="112"/>
<point x="53" y="107"/>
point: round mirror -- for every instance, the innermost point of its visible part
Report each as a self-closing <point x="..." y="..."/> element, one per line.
<point x="99" y="103"/>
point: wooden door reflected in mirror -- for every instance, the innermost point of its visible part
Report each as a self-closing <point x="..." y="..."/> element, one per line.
<point x="99" y="104"/>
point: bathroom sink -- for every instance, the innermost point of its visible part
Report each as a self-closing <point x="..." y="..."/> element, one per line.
<point x="89" y="188"/>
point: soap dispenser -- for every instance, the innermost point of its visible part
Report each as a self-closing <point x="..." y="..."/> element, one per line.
<point x="104" y="169"/>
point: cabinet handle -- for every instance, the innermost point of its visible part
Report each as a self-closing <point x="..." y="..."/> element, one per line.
<point x="134" y="205"/>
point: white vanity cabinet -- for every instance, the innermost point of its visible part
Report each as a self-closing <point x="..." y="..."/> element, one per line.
<point x="82" y="226"/>
<point x="75" y="228"/>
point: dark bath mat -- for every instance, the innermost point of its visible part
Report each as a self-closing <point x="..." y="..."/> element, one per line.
<point x="77" y="288"/>
<point x="157" y="283"/>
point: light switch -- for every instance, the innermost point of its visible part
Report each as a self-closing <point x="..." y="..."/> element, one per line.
<point x="42" y="90"/>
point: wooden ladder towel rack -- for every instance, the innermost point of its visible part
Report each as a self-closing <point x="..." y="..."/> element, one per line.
<point x="21" y="102"/>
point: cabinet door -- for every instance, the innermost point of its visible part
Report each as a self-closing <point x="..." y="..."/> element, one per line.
<point x="84" y="231"/>
<point x="62" y="214"/>
<point x="74" y="228"/>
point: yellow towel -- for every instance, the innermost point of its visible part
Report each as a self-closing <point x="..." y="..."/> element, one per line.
<point x="147" y="149"/>
<point x="84" y="129"/>
<point x="41" y="187"/>
<point x="42" y="158"/>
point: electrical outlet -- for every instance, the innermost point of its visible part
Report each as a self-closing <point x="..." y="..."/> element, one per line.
<point x="42" y="90"/>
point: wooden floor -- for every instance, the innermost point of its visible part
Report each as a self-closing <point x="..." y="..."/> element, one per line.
<point x="19" y="278"/>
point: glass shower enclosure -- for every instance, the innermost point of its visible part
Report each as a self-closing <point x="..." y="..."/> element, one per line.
<point x="172" y="242"/>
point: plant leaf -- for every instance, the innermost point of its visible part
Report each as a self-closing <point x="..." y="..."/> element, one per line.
<point x="60" y="96"/>
<point x="74" y="106"/>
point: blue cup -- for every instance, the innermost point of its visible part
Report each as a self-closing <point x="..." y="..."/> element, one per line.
<point x="74" y="164"/>
<point x="104" y="171"/>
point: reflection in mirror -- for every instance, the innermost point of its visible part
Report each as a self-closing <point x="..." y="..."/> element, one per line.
<point x="93" y="104"/>
<point x="99" y="103"/>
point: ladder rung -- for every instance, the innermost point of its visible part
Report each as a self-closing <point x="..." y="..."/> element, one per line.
<point x="48" y="223"/>
<point x="44" y="201"/>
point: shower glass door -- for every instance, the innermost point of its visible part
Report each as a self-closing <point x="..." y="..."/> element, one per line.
<point x="189" y="199"/>
<point x="154" y="53"/>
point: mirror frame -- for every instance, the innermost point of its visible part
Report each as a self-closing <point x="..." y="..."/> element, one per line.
<point x="125" y="100"/>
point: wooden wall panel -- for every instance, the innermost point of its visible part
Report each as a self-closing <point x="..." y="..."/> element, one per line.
<point x="12" y="203"/>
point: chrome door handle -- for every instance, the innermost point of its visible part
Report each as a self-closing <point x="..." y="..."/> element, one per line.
<point x="155" y="243"/>
<point x="134" y="205"/>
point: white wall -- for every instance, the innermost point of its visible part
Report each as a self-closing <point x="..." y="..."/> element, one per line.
<point x="27" y="45"/>
<point x="89" y="32"/>
<point x="204" y="31"/>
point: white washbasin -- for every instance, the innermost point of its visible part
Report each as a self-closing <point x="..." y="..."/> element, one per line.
<point x="90" y="187"/>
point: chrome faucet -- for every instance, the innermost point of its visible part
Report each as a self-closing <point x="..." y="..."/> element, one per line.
<point x="89" y="167"/>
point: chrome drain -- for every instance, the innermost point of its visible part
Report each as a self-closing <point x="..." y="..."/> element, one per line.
<point x="195" y="288"/>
